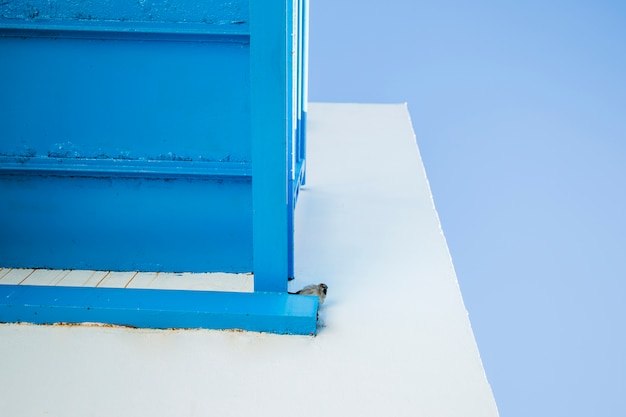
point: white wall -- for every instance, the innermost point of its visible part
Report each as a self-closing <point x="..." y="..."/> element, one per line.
<point x="519" y="112"/>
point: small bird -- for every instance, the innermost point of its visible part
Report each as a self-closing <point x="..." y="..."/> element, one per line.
<point x="320" y="290"/>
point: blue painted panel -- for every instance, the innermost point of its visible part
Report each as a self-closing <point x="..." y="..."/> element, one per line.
<point x="122" y="99"/>
<point x="163" y="309"/>
<point x="131" y="224"/>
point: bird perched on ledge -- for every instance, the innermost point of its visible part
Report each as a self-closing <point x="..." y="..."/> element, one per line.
<point x="320" y="290"/>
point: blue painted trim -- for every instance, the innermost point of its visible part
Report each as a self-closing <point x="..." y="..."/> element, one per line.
<point x="126" y="30"/>
<point x="89" y="167"/>
<point x="300" y="174"/>
<point x="303" y="88"/>
<point x="160" y="309"/>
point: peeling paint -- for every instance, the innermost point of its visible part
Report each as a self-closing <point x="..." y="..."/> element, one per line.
<point x="216" y="12"/>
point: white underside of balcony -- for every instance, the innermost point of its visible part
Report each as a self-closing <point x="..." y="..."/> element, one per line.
<point x="395" y="339"/>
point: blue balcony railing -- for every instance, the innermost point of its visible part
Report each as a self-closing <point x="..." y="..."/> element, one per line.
<point x="152" y="136"/>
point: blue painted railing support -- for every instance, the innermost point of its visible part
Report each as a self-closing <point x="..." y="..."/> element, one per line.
<point x="269" y="49"/>
<point x="304" y="82"/>
<point x="299" y="96"/>
<point x="193" y="165"/>
<point x="159" y="309"/>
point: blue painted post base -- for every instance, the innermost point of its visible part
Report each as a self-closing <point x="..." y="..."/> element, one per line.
<point x="160" y="309"/>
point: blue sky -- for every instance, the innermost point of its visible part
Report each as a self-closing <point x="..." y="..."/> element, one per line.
<point x="520" y="113"/>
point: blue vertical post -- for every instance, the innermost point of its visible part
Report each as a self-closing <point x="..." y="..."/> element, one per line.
<point x="304" y="70"/>
<point x="292" y="120"/>
<point x="269" y="105"/>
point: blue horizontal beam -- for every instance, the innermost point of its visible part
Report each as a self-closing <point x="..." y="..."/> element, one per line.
<point x="91" y="167"/>
<point x="160" y="309"/>
<point x="127" y="30"/>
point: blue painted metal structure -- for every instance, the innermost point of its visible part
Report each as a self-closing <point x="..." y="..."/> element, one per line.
<point x="163" y="309"/>
<point x="154" y="136"/>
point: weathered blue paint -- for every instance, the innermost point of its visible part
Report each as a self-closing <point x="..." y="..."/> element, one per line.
<point x="130" y="139"/>
<point x="162" y="309"/>
<point x="211" y="13"/>
<point x="124" y="99"/>
<point x="155" y="136"/>
<point x="114" y="168"/>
